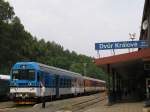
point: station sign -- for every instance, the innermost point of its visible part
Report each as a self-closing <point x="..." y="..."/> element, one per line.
<point x="121" y="45"/>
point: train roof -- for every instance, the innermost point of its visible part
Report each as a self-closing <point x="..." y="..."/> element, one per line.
<point x="46" y="67"/>
<point x="89" y="78"/>
<point x="59" y="69"/>
<point x="4" y="77"/>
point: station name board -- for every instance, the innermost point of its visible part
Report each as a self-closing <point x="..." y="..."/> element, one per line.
<point x="121" y="45"/>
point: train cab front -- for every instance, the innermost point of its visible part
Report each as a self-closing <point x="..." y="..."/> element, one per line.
<point x="23" y="83"/>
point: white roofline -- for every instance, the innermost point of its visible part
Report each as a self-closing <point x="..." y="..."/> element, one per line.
<point x="85" y="77"/>
<point x="59" y="69"/>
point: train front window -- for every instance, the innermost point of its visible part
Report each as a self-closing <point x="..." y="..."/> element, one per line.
<point x="23" y="75"/>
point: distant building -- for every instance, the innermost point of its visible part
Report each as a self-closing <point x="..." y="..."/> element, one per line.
<point x="145" y="25"/>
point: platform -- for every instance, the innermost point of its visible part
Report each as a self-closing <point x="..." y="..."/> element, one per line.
<point x="118" y="107"/>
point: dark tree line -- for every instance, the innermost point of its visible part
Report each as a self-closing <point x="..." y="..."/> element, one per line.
<point x="16" y="45"/>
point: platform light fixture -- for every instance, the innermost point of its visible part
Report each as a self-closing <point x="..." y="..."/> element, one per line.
<point x="145" y="25"/>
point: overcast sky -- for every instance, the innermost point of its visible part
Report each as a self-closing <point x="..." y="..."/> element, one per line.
<point x="78" y="24"/>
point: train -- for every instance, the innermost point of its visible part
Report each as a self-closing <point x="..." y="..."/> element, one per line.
<point x="29" y="78"/>
<point x="4" y="86"/>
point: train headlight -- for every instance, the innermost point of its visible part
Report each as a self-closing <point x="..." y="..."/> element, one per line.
<point x="20" y="95"/>
<point x="26" y="95"/>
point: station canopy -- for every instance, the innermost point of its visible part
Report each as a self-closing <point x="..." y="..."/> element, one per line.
<point x="128" y="63"/>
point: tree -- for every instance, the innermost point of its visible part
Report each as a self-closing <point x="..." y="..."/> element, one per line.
<point x="6" y="11"/>
<point x="95" y="72"/>
<point x="16" y="44"/>
<point x="77" y="67"/>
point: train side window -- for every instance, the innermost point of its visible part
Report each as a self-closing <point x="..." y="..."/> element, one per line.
<point x="64" y="83"/>
<point x="61" y="82"/>
<point x="72" y="83"/>
<point x="68" y="83"/>
<point x="53" y="82"/>
<point x="39" y="76"/>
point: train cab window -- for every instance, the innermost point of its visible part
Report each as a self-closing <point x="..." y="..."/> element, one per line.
<point x="23" y="74"/>
<point x="15" y="74"/>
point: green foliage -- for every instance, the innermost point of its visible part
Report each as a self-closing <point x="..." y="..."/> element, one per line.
<point x="16" y="44"/>
<point x="90" y="70"/>
<point x="95" y="72"/>
<point x="6" y="11"/>
<point x="77" y="67"/>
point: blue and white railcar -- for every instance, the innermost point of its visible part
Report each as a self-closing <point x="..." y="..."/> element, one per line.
<point x="26" y="79"/>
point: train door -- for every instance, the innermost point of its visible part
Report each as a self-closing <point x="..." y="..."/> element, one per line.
<point x="77" y="86"/>
<point x="74" y="86"/>
<point x="84" y="85"/>
<point x="57" y="85"/>
<point x="39" y="79"/>
<point x="148" y="88"/>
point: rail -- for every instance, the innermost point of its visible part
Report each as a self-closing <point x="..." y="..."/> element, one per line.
<point x="80" y="105"/>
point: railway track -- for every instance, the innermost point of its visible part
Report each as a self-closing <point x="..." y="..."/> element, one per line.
<point x="81" y="105"/>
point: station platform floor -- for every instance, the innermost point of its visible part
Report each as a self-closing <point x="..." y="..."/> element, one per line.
<point x="118" y="107"/>
<point x="126" y="105"/>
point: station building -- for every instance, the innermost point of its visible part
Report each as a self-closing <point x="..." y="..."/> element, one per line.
<point x="129" y="73"/>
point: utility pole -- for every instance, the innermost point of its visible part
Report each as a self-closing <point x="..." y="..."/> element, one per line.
<point x="98" y="54"/>
<point x="84" y="64"/>
<point x="132" y="37"/>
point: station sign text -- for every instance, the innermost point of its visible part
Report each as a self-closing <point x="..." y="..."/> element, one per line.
<point x="121" y="45"/>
